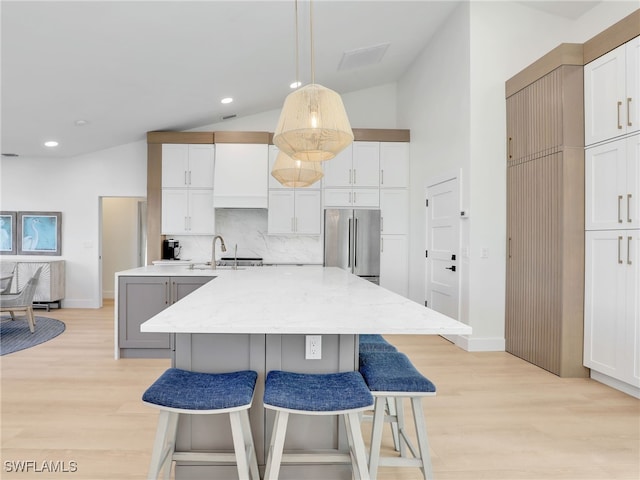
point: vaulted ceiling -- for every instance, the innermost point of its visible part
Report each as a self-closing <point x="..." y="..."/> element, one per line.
<point x="125" y="68"/>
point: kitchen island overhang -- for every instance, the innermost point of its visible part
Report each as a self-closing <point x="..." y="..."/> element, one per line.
<point x="298" y="300"/>
<point x="257" y="319"/>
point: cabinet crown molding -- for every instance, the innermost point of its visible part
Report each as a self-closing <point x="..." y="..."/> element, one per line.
<point x="360" y="134"/>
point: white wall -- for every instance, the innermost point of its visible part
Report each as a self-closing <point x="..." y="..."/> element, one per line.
<point x="452" y="99"/>
<point x="73" y="186"/>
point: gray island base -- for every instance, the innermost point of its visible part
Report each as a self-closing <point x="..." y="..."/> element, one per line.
<point x="257" y="319"/>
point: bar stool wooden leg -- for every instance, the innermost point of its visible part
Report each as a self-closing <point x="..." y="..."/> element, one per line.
<point x="164" y="445"/>
<point x="376" y="435"/>
<point x="276" y="446"/>
<point x="421" y="432"/>
<point x="356" y="444"/>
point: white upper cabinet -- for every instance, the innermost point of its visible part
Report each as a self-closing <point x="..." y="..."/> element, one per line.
<point x="366" y="164"/>
<point x="394" y="165"/>
<point x="338" y="170"/>
<point x="611" y="92"/>
<point x="187" y="211"/>
<point x="187" y="166"/>
<point x="612" y="181"/>
<point x="240" y="179"/>
<point x="356" y="166"/>
<point x="294" y="211"/>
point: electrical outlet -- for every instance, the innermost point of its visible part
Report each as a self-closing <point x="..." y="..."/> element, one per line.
<point x="313" y="347"/>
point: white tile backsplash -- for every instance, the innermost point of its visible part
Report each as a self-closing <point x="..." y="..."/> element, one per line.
<point x="247" y="228"/>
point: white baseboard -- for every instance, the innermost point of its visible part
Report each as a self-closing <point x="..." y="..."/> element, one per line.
<point x="80" y="303"/>
<point x="615" y="383"/>
<point x="471" y="344"/>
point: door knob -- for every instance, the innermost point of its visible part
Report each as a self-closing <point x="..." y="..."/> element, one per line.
<point x="452" y="268"/>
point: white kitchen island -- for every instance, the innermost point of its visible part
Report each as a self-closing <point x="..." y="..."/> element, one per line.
<point x="257" y="318"/>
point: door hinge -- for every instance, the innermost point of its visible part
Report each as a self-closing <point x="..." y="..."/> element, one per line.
<point x="426" y="253"/>
<point x="426" y="303"/>
<point x="426" y="202"/>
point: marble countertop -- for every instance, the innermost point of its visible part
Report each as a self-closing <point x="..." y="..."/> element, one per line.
<point x="293" y="300"/>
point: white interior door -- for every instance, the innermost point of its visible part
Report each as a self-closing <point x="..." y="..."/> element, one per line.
<point x="442" y="247"/>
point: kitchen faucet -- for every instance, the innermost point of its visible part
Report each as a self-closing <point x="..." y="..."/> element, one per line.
<point x="213" y="250"/>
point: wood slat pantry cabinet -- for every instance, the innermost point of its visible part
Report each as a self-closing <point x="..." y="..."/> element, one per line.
<point x="545" y="216"/>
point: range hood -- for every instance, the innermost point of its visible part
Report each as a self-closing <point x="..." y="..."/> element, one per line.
<point x="241" y="176"/>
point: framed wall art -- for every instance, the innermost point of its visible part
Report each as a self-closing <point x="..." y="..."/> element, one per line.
<point x="8" y="233"/>
<point x="39" y="233"/>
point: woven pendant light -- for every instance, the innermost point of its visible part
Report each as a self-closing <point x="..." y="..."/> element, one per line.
<point x="313" y="124"/>
<point x="295" y="173"/>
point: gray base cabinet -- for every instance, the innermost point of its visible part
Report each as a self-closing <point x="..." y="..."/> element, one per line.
<point x="217" y="353"/>
<point x="139" y="299"/>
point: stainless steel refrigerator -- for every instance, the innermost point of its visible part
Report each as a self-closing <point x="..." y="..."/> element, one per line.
<point x="352" y="242"/>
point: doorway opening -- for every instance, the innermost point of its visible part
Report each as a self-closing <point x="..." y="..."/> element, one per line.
<point x="123" y="239"/>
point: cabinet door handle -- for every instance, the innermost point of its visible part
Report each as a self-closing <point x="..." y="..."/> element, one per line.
<point x="189" y="177"/>
<point x="382" y="224"/>
<point x="381" y="244"/>
<point x="185" y="178"/>
<point x="629" y="250"/>
<point x="381" y="177"/>
<point x="619" y="242"/>
<point x="166" y="293"/>
<point x="292" y="227"/>
<point x="619" y="124"/>
<point x="509" y="147"/>
<point x="619" y="207"/>
<point x="629" y="124"/>
<point x="628" y="208"/>
<point x="350" y="176"/>
<point x="354" y="176"/>
<point x="509" y="247"/>
<point x="354" y="198"/>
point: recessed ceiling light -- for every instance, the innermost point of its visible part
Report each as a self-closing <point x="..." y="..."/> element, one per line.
<point x="226" y="100"/>
<point x="51" y="143"/>
<point x="81" y="123"/>
<point x="295" y="84"/>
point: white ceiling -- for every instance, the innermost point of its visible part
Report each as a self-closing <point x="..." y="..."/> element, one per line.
<point x="131" y="67"/>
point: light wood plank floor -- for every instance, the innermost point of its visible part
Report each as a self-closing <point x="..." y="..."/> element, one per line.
<point x="495" y="416"/>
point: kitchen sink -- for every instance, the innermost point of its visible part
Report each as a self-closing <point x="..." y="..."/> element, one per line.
<point x="208" y="267"/>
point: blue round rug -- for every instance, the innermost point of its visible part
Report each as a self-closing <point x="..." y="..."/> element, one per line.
<point x="15" y="335"/>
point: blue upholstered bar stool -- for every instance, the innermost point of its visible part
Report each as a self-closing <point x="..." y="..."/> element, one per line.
<point x="374" y="343"/>
<point x="343" y="393"/>
<point x="177" y="392"/>
<point x="392" y="377"/>
<point x="377" y="343"/>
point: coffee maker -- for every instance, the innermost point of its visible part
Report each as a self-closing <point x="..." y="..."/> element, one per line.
<point x="170" y="249"/>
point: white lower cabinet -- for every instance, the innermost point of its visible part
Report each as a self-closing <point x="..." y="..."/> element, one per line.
<point x="394" y="263"/>
<point x="612" y="306"/>
<point x="294" y="211"/>
<point x="394" y="211"/>
<point x="187" y="212"/>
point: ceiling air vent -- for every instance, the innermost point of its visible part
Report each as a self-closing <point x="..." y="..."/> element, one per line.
<point x="362" y="57"/>
<point x="228" y="117"/>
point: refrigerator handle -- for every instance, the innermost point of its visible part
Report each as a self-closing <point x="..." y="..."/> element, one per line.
<point x="355" y="245"/>
<point x="349" y="253"/>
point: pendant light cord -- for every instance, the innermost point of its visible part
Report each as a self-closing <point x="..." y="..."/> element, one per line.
<point x="297" y="52"/>
<point x="313" y="70"/>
